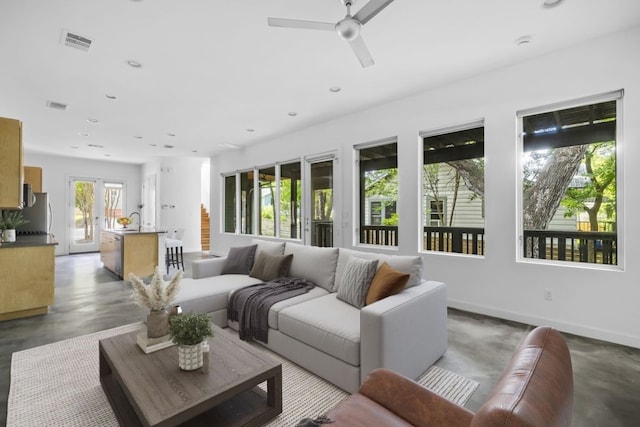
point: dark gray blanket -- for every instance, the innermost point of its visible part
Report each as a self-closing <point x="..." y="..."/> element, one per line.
<point x="250" y="306"/>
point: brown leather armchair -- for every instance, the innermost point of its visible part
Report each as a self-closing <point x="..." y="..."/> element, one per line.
<point x="536" y="389"/>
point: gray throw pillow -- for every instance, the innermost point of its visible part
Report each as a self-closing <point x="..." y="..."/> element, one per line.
<point x="357" y="277"/>
<point x="268" y="267"/>
<point x="239" y="260"/>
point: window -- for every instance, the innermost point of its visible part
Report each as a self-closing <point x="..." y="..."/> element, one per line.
<point x="290" y="199"/>
<point x="230" y="204"/>
<point x="569" y="180"/>
<point x="267" y="182"/>
<point x="378" y="185"/>
<point x="278" y="201"/>
<point x="246" y="202"/>
<point x="453" y="189"/>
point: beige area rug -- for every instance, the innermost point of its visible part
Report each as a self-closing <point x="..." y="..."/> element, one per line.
<point x="57" y="385"/>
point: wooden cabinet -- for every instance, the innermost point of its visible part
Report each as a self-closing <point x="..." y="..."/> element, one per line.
<point x="134" y="252"/>
<point x="33" y="176"/>
<point x="11" y="162"/>
<point x="27" y="282"/>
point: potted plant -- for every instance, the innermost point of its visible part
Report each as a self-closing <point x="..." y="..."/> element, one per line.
<point x="188" y="331"/>
<point x="9" y="220"/>
<point x="157" y="297"/>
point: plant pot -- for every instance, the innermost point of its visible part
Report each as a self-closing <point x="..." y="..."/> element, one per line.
<point x="9" y="235"/>
<point x="190" y="357"/>
<point x="157" y="323"/>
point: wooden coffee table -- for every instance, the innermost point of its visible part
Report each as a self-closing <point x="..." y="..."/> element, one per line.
<point x="151" y="390"/>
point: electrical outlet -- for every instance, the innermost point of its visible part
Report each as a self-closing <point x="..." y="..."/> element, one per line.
<point x="548" y="295"/>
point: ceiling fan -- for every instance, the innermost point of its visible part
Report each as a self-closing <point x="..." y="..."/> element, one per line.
<point x="348" y="28"/>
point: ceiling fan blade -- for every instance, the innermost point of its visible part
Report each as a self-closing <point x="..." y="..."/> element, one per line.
<point x="305" y="25"/>
<point x="361" y="51"/>
<point x="370" y="10"/>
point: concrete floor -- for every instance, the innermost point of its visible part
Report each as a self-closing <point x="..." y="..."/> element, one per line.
<point x="88" y="299"/>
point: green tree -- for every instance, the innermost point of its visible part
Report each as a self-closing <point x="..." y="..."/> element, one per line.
<point x="85" y="204"/>
<point x="599" y="189"/>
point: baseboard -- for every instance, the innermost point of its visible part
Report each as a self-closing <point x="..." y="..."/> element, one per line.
<point x="583" y="331"/>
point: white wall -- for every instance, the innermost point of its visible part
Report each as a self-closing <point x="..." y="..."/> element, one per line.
<point x="590" y="302"/>
<point x="56" y="172"/>
<point x="179" y="182"/>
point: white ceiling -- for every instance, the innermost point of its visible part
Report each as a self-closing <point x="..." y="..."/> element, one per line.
<point x="211" y="69"/>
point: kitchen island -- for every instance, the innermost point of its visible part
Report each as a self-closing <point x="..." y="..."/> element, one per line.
<point x="130" y="250"/>
<point x="27" y="276"/>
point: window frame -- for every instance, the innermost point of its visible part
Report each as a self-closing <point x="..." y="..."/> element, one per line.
<point x="618" y="97"/>
<point x="360" y="205"/>
<point x="425" y="211"/>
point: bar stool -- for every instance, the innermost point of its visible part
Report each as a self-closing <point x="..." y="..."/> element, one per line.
<point x="173" y="247"/>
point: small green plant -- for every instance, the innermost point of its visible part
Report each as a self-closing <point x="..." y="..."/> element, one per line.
<point x="190" y="328"/>
<point x="9" y="220"/>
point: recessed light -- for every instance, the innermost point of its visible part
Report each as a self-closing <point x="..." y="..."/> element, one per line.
<point x="83" y="134"/>
<point x="335" y="89"/>
<point x="109" y="96"/>
<point x="153" y="145"/>
<point x="96" y="146"/>
<point x="171" y="134"/>
<point x="137" y="136"/>
<point x="250" y="130"/>
<point x="134" y="64"/>
<point x="292" y="114"/>
<point x="524" y="40"/>
<point x="91" y="120"/>
<point x="74" y="147"/>
<point x="194" y="151"/>
<point x="548" y="4"/>
<point x="107" y="155"/>
<point x="168" y="146"/>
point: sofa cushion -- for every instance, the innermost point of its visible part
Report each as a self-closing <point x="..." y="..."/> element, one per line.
<point x="387" y="281"/>
<point x="403" y="263"/>
<point x="327" y="324"/>
<point x="271" y="247"/>
<point x="240" y="260"/>
<point x="211" y="293"/>
<point x="356" y="280"/>
<point x="312" y="263"/>
<point x="268" y="267"/>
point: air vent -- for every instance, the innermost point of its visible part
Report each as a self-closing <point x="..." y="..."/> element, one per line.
<point x="76" y="41"/>
<point x="57" y="105"/>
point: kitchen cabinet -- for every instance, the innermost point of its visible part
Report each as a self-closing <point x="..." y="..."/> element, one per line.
<point x="33" y="176"/>
<point x="27" y="288"/>
<point x="129" y="251"/>
<point x="11" y="163"/>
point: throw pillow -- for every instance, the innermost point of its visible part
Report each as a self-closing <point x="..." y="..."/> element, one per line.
<point x="387" y="281"/>
<point x="268" y="267"/>
<point x="357" y="277"/>
<point x="239" y="260"/>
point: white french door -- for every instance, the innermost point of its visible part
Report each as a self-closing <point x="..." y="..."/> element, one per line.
<point x="95" y="204"/>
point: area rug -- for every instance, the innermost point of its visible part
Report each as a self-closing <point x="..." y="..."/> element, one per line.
<point x="57" y="385"/>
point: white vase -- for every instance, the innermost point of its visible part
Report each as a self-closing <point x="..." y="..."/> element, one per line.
<point x="190" y="357"/>
<point x="9" y="235"/>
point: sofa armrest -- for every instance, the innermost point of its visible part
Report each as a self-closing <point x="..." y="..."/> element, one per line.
<point x="208" y="267"/>
<point x="413" y="402"/>
<point x="405" y="332"/>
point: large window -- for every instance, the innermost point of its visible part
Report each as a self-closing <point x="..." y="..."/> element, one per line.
<point x="378" y="185"/>
<point x="230" y="204"/>
<point x="278" y="201"/>
<point x="569" y="175"/>
<point x="453" y="190"/>
<point x="290" y="198"/>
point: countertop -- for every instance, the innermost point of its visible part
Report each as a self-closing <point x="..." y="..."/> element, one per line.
<point x="134" y="230"/>
<point x="30" y="240"/>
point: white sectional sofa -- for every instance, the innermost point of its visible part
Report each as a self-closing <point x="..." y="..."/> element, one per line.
<point x="405" y="332"/>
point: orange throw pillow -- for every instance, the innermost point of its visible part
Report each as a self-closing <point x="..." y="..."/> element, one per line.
<point x="386" y="282"/>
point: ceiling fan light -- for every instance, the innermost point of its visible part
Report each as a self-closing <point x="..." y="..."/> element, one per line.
<point x="348" y="29"/>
